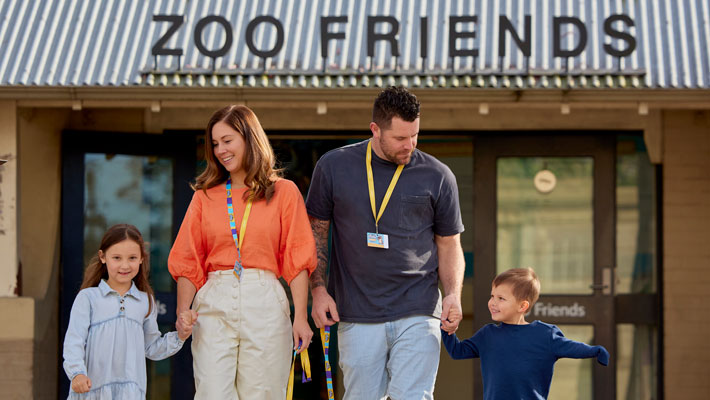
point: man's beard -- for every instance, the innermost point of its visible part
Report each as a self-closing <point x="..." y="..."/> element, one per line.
<point x="393" y="157"/>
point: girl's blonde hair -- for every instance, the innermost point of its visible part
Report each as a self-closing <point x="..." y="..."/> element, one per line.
<point x="96" y="270"/>
<point x="259" y="161"/>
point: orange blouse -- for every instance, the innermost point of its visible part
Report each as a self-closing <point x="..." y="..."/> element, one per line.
<point x="278" y="236"/>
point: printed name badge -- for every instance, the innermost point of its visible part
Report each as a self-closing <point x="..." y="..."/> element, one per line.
<point x="378" y="240"/>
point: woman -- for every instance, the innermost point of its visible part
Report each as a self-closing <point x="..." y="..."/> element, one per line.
<point x="245" y="227"/>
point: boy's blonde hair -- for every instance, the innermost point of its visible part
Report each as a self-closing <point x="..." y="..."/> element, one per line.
<point x="523" y="281"/>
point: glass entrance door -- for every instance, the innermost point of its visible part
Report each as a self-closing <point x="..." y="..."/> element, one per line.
<point x="548" y="203"/>
<point x="137" y="179"/>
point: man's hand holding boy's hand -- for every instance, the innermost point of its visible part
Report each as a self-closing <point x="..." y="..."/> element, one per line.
<point x="186" y="320"/>
<point x="451" y="313"/>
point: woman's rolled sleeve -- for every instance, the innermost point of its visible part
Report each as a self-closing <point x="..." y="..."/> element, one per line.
<point x="297" y="248"/>
<point x="187" y="255"/>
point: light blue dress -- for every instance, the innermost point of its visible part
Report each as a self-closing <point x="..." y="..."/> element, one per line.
<point x="108" y="340"/>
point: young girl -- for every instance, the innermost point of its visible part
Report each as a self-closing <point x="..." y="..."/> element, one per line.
<point x="113" y="325"/>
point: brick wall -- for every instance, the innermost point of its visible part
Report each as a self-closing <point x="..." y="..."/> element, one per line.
<point x="686" y="246"/>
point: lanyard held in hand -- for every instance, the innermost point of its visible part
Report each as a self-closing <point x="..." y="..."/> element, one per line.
<point x="306" y="367"/>
<point x="325" y="340"/>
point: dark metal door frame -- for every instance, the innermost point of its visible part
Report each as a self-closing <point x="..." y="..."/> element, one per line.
<point x="600" y="305"/>
<point x="178" y="146"/>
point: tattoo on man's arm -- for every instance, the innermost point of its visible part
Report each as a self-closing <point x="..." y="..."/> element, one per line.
<point x="320" y="232"/>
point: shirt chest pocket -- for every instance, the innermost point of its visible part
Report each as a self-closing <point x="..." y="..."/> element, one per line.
<point x="416" y="212"/>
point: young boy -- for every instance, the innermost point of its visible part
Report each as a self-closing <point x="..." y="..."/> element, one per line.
<point x="517" y="358"/>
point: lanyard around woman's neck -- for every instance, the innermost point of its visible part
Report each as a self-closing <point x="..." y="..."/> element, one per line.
<point x="238" y="239"/>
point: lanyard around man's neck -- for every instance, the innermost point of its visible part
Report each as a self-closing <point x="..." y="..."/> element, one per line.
<point x="371" y="185"/>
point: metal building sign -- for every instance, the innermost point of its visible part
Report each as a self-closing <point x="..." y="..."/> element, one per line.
<point x="335" y="28"/>
<point x="506" y="44"/>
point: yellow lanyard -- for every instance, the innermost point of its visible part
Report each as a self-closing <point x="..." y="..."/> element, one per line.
<point x="371" y="185"/>
<point x="238" y="239"/>
<point x="325" y="341"/>
<point x="306" y="373"/>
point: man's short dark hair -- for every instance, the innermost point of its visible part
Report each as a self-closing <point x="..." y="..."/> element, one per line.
<point x="394" y="102"/>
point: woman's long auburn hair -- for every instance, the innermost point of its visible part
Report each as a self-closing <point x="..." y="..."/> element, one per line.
<point x="259" y="161"/>
<point x="96" y="270"/>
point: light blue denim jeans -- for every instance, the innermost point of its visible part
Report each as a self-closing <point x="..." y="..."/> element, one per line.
<point x="398" y="359"/>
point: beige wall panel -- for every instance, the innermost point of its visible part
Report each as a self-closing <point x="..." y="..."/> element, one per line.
<point x="456" y="119"/>
<point x="274" y="115"/>
<point x="686" y="275"/>
<point x="686" y="213"/>
<point x="278" y="115"/>
<point x="107" y="120"/>
<point x="688" y="225"/>
<point x="17" y="365"/>
<point x="46" y="355"/>
<point x="17" y="316"/>
<point x="16" y="378"/>
<point x="528" y="119"/>
<point x="40" y="188"/>
<point x="17" y="347"/>
<point x="685" y="172"/>
<point x="698" y="241"/>
<point x="9" y="200"/>
<point x="179" y="118"/>
<point x="692" y="261"/>
<point x="270" y="116"/>
<point x="698" y="187"/>
<point x="689" y="300"/>
<point x="307" y="119"/>
<point x="653" y="136"/>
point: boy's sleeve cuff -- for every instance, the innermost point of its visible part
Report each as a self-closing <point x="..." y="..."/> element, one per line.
<point x="603" y="356"/>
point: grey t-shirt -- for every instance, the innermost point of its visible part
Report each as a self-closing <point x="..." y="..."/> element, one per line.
<point x="378" y="285"/>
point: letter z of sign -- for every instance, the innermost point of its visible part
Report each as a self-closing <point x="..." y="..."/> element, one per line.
<point x="159" y="46"/>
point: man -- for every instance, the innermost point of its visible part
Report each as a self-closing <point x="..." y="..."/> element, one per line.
<point x="396" y="226"/>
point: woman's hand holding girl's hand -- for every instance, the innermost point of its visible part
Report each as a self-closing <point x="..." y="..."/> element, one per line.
<point x="186" y="320"/>
<point x="81" y="384"/>
<point x="302" y="333"/>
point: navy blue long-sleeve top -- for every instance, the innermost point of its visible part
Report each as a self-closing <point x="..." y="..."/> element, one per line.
<point x="517" y="361"/>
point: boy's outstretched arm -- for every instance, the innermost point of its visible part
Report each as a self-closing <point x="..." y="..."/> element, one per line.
<point x="459" y="350"/>
<point x="564" y="347"/>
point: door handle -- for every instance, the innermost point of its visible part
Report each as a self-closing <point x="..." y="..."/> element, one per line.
<point x="598" y="286"/>
<point x="605" y="286"/>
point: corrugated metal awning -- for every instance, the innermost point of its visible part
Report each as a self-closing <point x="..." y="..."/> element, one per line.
<point x="382" y="80"/>
<point x="108" y="43"/>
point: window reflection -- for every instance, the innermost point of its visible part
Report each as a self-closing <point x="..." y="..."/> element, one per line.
<point x="572" y="379"/>
<point x="636" y="218"/>
<point x="135" y="190"/>
<point x="636" y="362"/>
<point x="551" y="232"/>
